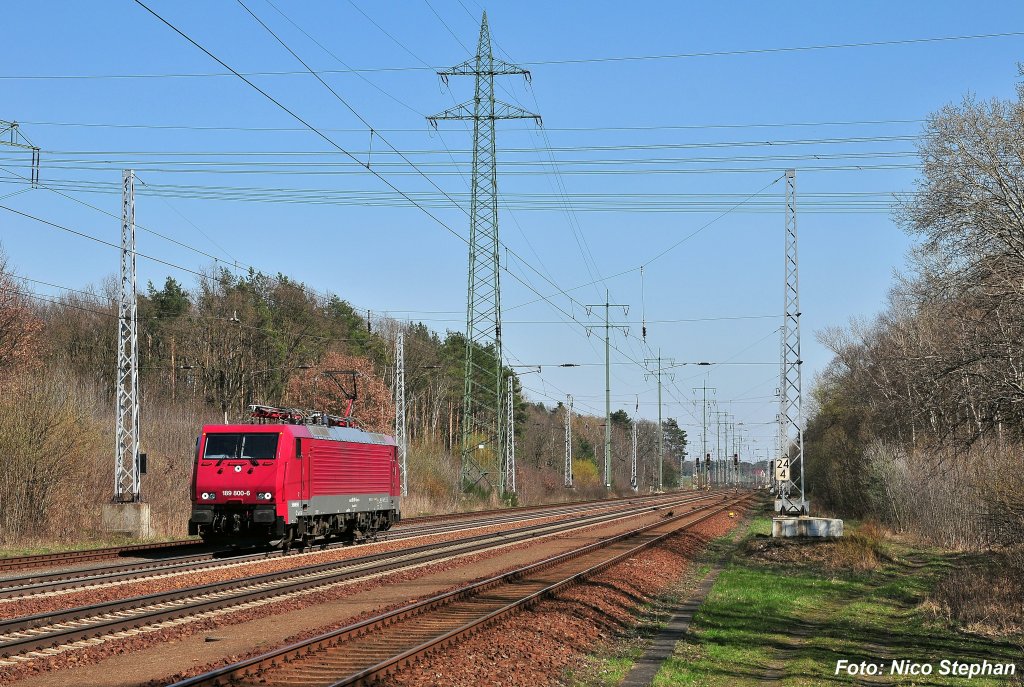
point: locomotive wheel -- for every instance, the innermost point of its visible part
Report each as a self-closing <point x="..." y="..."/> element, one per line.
<point x="286" y="545"/>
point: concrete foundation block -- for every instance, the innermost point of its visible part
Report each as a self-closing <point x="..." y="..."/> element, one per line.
<point x="805" y="526"/>
<point x="129" y="519"/>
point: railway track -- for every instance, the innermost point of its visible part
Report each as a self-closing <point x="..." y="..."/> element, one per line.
<point x="68" y="558"/>
<point x="360" y="653"/>
<point x="38" y="584"/>
<point x="31" y="637"/>
<point x="49" y="560"/>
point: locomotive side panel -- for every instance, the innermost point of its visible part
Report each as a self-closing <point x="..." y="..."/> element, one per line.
<point x="396" y="475"/>
<point x="289" y="476"/>
<point x="293" y="484"/>
<point x="343" y="467"/>
<point x="348" y="477"/>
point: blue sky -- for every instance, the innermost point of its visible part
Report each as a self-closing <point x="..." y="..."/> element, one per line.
<point x="648" y="152"/>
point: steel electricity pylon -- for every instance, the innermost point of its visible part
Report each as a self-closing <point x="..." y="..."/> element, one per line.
<point x="790" y="497"/>
<point x="484" y="378"/>
<point x="400" y="425"/>
<point x="126" y="450"/>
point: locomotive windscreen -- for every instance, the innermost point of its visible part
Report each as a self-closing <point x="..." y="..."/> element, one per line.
<point x="241" y="446"/>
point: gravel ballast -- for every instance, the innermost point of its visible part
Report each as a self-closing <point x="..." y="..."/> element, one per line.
<point x="537" y="646"/>
<point x="135" y="642"/>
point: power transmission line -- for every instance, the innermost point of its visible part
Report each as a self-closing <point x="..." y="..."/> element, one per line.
<point x="688" y="145"/>
<point x="585" y="129"/>
<point x="549" y="62"/>
<point x="329" y="140"/>
<point x="303" y="121"/>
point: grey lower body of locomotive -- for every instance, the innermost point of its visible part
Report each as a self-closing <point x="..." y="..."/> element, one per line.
<point x="318" y="519"/>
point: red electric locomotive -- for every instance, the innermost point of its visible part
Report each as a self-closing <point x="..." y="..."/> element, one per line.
<point x="294" y="479"/>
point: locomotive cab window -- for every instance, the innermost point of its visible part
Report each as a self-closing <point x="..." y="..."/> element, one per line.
<point x="241" y="446"/>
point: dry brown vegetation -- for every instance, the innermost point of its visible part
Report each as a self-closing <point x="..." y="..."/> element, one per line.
<point x="859" y="551"/>
<point x="919" y="419"/>
<point x="318" y="388"/>
<point x="208" y="352"/>
<point x="982" y="597"/>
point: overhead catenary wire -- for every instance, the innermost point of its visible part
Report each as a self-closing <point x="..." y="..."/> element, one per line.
<point x="409" y="162"/>
<point x="558" y="62"/>
<point x="334" y="144"/>
<point x="579" y="129"/>
<point x="371" y="129"/>
<point x="181" y="244"/>
<point x="235" y="264"/>
<point x="295" y="116"/>
<point x="342" y="62"/>
<point x="301" y="120"/>
<point x="520" y="202"/>
<point x="96" y="239"/>
<point x="324" y="136"/>
<point x="669" y="145"/>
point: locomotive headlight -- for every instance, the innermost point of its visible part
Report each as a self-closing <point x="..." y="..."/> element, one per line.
<point x="207" y="495"/>
<point x="264" y="495"/>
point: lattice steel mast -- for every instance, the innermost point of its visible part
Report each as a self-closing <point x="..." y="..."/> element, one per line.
<point x="126" y="449"/>
<point x="568" y="440"/>
<point x="716" y="474"/>
<point x="790" y="497"/>
<point x="508" y="483"/>
<point x="632" y="463"/>
<point x="483" y="379"/>
<point x="400" y="424"/>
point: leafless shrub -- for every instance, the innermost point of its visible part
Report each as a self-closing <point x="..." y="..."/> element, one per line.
<point x="47" y="437"/>
<point x="986" y="597"/>
<point x="920" y="416"/>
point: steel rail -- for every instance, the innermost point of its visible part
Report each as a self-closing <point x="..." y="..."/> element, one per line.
<point x="44" y="560"/>
<point x="45" y="630"/>
<point x="36" y="584"/>
<point x="255" y="667"/>
<point x="51" y="559"/>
